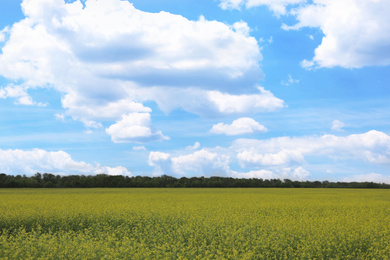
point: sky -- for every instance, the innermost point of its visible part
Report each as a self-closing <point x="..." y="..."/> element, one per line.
<point x="288" y="89"/>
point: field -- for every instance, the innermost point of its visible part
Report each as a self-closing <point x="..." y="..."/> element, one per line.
<point x="194" y="224"/>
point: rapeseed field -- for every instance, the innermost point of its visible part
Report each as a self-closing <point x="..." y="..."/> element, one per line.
<point x="194" y="224"/>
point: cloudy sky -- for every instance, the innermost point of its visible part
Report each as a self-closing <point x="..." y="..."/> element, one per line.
<point x="296" y="89"/>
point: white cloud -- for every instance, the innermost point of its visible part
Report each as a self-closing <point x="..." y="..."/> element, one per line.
<point x="139" y="148"/>
<point x="307" y="64"/>
<point x="226" y="103"/>
<point x="231" y="4"/>
<point x="60" y="117"/>
<point x="269" y="40"/>
<point x="89" y="110"/>
<point x="356" y="32"/>
<point x="276" y="158"/>
<point x="161" y="163"/>
<point x="103" y="67"/>
<point x="213" y="102"/>
<point x="193" y="147"/>
<point x="372" y="147"/>
<point x="277" y="6"/>
<point x="3" y="34"/>
<point x="290" y="81"/>
<point x="260" y="174"/>
<point x="215" y="163"/>
<point x="20" y="94"/>
<point x="199" y="163"/>
<point x="370" y="177"/>
<point x="337" y="125"/>
<point x="240" y="126"/>
<point x="59" y="162"/>
<point x="134" y="127"/>
<point x="241" y="27"/>
<point x="119" y="170"/>
<point x="299" y="174"/>
<point x="156" y="157"/>
<point x="284" y="157"/>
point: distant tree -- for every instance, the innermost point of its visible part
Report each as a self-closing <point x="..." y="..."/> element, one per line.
<point x="48" y="180"/>
<point x="38" y="179"/>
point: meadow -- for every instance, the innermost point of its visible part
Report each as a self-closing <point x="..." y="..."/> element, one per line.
<point x="194" y="223"/>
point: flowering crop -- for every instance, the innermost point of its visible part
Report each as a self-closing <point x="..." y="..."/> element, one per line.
<point x="194" y="224"/>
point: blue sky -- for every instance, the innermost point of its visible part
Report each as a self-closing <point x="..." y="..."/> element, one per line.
<point x="243" y="88"/>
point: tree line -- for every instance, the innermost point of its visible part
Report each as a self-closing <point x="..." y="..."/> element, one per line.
<point x="48" y="180"/>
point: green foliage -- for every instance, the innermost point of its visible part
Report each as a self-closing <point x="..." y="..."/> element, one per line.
<point x="48" y="180"/>
<point x="194" y="224"/>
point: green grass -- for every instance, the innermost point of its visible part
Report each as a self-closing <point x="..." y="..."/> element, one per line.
<point x="194" y="224"/>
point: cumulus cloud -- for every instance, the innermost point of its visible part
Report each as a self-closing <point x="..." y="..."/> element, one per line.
<point x="199" y="163"/>
<point x="299" y="174"/>
<point x="337" y="125"/>
<point x="277" y="6"/>
<point x="134" y="127"/>
<point x="370" y="177"/>
<point x="3" y="34"/>
<point x="284" y="157"/>
<point x="161" y="162"/>
<point x="212" y="102"/>
<point x="259" y="174"/>
<point x="119" y="170"/>
<point x="264" y="102"/>
<point x="356" y="32"/>
<point x="90" y="111"/>
<point x="59" y="162"/>
<point x="215" y="163"/>
<point x="107" y="67"/>
<point x="20" y="94"/>
<point x="240" y="126"/>
<point x="231" y="4"/>
<point x="274" y="158"/>
<point x="372" y="147"/>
